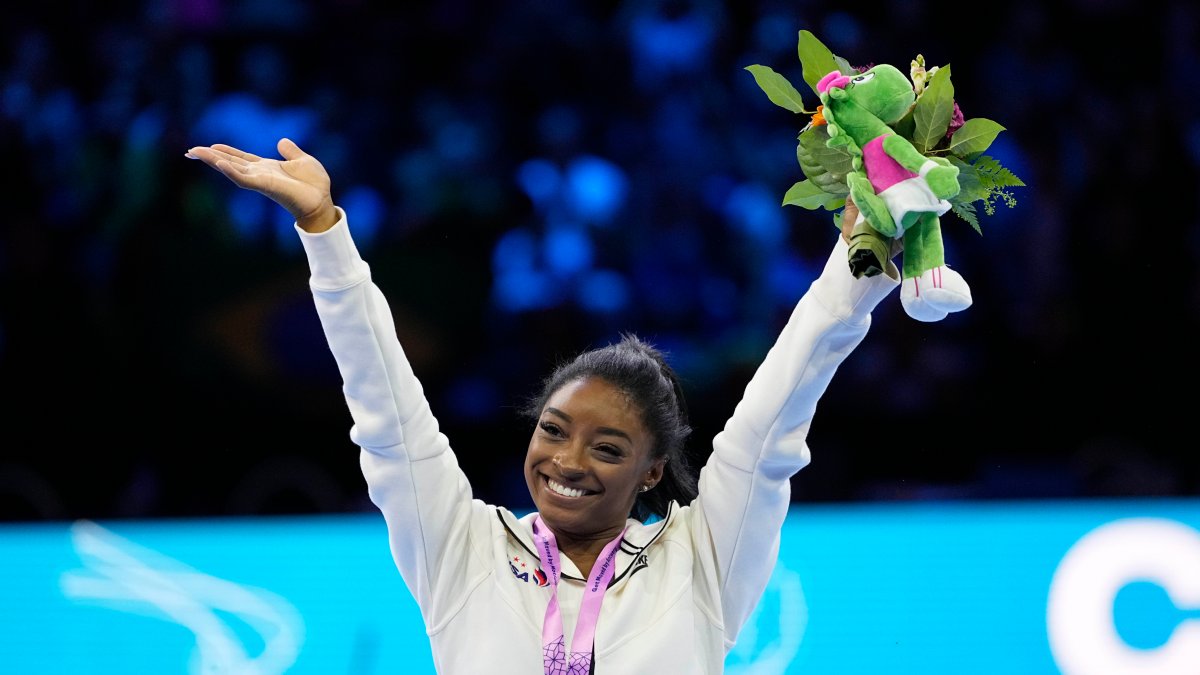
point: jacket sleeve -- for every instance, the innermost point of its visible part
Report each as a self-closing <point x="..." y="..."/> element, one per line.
<point x="411" y="473"/>
<point x="744" y="488"/>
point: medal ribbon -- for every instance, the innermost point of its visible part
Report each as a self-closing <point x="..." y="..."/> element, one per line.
<point x="556" y="660"/>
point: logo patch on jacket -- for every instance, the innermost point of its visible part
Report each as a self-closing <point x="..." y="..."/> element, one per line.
<point x="639" y="563"/>
<point x="524" y="572"/>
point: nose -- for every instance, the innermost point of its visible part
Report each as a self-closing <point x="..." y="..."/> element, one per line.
<point x="568" y="461"/>
<point x="833" y="79"/>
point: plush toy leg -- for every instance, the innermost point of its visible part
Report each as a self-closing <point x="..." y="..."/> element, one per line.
<point x="870" y="247"/>
<point x="930" y="289"/>
<point x="934" y="294"/>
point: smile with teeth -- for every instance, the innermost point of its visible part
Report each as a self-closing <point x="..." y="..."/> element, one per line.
<point x="560" y="489"/>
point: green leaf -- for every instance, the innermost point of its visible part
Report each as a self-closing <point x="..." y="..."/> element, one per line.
<point x="824" y="166"/>
<point x="931" y="115"/>
<point x="807" y="195"/>
<point x="974" y="136"/>
<point x="905" y="125"/>
<point x="993" y="175"/>
<point x="971" y="188"/>
<point x="818" y="60"/>
<point x="983" y="181"/>
<point x="967" y="213"/>
<point x="778" y="89"/>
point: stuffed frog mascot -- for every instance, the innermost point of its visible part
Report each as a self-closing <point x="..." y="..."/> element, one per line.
<point x="900" y="193"/>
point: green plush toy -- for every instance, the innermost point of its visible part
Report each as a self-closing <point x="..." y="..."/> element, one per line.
<point x="899" y="192"/>
<point x="903" y="153"/>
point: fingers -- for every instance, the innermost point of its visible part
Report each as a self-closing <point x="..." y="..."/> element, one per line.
<point x="288" y="149"/>
<point x="851" y="210"/>
<point x="234" y="152"/>
<point x="234" y="168"/>
<point x="238" y="173"/>
<point x="849" y="218"/>
<point x="220" y="153"/>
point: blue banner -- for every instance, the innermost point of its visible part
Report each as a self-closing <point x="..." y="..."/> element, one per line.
<point x="1107" y="586"/>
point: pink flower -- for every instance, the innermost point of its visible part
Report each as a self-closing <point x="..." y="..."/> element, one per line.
<point x="956" y="121"/>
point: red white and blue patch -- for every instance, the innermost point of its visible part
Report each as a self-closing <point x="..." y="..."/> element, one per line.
<point x="524" y="572"/>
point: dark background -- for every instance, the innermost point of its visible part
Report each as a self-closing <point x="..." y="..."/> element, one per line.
<point x="529" y="179"/>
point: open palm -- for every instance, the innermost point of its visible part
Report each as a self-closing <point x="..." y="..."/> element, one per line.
<point x="298" y="182"/>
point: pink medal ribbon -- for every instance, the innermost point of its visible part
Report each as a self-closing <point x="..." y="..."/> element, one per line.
<point x="555" y="660"/>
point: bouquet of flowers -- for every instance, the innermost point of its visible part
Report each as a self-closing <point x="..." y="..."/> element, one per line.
<point x="934" y="125"/>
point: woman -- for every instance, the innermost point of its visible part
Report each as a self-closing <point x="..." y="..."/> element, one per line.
<point x="577" y="586"/>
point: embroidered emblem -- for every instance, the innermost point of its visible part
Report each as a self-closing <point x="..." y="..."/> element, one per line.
<point x="522" y="571"/>
<point x="638" y="563"/>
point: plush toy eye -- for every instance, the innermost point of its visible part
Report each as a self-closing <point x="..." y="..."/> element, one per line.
<point x="865" y="77"/>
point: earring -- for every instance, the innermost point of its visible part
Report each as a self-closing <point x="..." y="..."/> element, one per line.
<point x="645" y="488"/>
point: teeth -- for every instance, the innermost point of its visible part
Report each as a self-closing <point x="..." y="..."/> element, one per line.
<point x="564" y="490"/>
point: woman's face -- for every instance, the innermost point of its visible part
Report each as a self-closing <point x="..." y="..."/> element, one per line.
<point x="589" y="457"/>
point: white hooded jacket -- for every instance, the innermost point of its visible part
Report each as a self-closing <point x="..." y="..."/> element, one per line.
<point x="683" y="585"/>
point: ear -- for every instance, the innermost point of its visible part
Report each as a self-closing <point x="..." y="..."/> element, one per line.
<point x="655" y="473"/>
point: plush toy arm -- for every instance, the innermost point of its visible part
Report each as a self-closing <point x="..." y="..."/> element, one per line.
<point x="870" y="236"/>
<point x="872" y="207"/>
<point x="942" y="177"/>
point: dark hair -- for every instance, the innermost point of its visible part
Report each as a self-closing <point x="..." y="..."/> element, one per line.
<point x="641" y="371"/>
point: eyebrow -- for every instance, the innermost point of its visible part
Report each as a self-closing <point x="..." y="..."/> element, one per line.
<point x="609" y="431"/>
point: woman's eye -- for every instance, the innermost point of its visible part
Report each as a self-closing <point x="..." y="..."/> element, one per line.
<point x="551" y="428"/>
<point x="609" y="450"/>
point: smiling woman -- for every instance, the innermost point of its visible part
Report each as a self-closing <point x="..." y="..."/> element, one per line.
<point x="645" y="567"/>
<point x="610" y="428"/>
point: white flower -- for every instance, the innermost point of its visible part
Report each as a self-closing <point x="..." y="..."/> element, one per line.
<point x="919" y="76"/>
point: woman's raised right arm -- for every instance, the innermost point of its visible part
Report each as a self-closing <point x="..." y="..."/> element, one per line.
<point x="411" y="473"/>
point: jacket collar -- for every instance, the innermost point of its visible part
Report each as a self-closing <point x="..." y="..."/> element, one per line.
<point x="638" y="536"/>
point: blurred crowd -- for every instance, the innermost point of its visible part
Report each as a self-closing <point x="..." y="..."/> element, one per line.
<point x="528" y="179"/>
